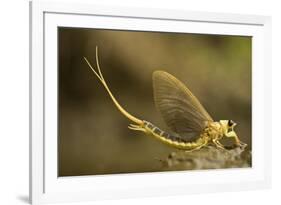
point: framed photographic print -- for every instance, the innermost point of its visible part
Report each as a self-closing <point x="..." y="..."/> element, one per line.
<point x="129" y="102"/>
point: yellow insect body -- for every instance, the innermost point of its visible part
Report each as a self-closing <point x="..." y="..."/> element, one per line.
<point x="170" y="140"/>
<point x="192" y="126"/>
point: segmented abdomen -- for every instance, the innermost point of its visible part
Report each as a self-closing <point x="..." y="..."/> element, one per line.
<point x="157" y="131"/>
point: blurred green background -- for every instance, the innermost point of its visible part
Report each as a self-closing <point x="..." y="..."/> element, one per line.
<point x="93" y="135"/>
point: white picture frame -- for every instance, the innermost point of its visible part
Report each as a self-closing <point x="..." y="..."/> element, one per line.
<point x="46" y="186"/>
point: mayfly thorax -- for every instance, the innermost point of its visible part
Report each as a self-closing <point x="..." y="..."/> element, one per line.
<point x="193" y="127"/>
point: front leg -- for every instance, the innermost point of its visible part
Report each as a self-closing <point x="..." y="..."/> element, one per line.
<point x="237" y="140"/>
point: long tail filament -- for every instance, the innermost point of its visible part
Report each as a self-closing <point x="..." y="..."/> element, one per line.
<point x="100" y="77"/>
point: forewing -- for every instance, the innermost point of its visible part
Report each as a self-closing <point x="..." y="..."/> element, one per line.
<point x="180" y="109"/>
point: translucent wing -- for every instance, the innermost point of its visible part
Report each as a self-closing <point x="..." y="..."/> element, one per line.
<point x="180" y="109"/>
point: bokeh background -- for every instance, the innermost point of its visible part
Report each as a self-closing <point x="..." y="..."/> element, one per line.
<point x="93" y="135"/>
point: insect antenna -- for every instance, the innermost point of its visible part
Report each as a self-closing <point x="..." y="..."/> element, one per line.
<point x="101" y="79"/>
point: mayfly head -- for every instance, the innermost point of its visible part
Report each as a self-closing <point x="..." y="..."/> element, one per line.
<point x="228" y="131"/>
<point x="231" y="124"/>
<point x="227" y="126"/>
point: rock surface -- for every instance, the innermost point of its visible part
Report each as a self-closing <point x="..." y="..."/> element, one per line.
<point x="208" y="157"/>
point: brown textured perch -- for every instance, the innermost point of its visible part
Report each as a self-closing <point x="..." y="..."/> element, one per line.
<point x="208" y="157"/>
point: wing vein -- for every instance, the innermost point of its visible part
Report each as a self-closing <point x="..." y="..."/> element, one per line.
<point x="180" y="109"/>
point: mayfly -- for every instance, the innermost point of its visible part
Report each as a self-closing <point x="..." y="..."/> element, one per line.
<point x="191" y="124"/>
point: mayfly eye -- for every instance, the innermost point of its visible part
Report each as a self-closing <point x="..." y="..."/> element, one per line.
<point x="230" y="123"/>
